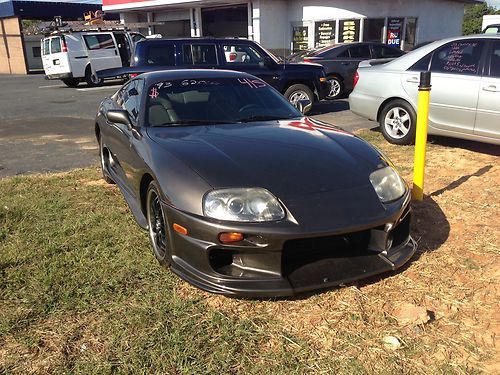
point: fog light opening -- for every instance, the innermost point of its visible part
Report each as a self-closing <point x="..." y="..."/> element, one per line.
<point x="230" y="237"/>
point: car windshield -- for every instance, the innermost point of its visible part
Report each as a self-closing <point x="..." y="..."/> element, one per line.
<point x="215" y="101"/>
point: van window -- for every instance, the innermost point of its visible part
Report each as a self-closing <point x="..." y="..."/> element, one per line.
<point x="160" y="55"/>
<point x="99" y="41"/>
<point x="55" y="45"/>
<point x="46" y="46"/>
<point x="199" y="54"/>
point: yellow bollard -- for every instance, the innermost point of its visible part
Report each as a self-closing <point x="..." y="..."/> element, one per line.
<point x="424" y="90"/>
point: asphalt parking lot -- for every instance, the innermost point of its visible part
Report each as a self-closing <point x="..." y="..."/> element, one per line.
<point x="48" y="127"/>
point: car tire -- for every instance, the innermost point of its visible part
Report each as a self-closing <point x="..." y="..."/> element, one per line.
<point x="157" y="225"/>
<point x="91" y="78"/>
<point x="71" y="82"/>
<point x="398" y="122"/>
<point x="298" y="92"/>
<point x="336" y="88"/>
<point x="104" y="157"/>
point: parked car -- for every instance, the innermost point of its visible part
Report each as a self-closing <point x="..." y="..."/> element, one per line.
<point x="241" y="194"/>
<point x="492" y="29"/>
<point x="465" y="96"/>
<point x="295" y="81"/>
<point x="75" y="56"/>
<point x="341" y="61"/>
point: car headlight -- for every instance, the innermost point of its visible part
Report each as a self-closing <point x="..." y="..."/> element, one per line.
<point x="387" y="183"/>
<point x="242" y="204"/>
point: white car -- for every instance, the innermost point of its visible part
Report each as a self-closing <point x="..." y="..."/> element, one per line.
<point x="465" y="95"/>
<point x="74" y="57"/>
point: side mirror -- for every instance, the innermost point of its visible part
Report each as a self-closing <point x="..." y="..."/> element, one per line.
<point x="266" y="61"/>
<point x="303" y="105"/>
<point x="119" y="116"/>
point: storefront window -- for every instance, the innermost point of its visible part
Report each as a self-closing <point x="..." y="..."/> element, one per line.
<point x="324" y="33"/>
<point x="373" y="30"/>
<point x="349" y="31"/>
<point x="300" y="38"/>
<point x="395" y="31"/>
<point x="411" y="31"/>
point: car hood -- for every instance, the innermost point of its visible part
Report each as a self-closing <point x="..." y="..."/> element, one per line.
<point x="312" y="167"/>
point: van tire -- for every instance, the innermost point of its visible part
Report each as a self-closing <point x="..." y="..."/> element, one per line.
<point x="91" y="79"/>
<point x="70" y="82"/>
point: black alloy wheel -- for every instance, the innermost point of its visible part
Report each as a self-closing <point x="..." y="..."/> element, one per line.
<point x="157" y="226"/>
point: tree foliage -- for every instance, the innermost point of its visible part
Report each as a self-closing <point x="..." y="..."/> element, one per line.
<point x="473" y="17"/>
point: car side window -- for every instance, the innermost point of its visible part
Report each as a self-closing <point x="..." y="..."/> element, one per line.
<point x="385" y="52"/>
<point x="241" y="54"/>
<point x="458" y="57"/>
<point x="160" y="55"/>
<point x="344" y="54"/>
<point x="360" y="52"/>
<point x="495" y="60"/>
<point x="129" y="98"/>
<point x="99" y="41"/>
<point x="422" y="65"/>
<point x="199" y="54"/>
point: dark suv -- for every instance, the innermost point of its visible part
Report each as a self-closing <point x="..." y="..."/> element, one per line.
<point x="294" y="81"/>
<point x="341" y="62"/>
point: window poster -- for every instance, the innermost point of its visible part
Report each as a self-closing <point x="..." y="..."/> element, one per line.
<point x="324" y="33"/>
<point x="394" y="31"/>
<point x="349" y="31"/>
<point x="300" y="38"/>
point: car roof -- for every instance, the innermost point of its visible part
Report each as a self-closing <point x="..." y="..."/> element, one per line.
<point x="407" y="60"/>
<point x="177" y="74"/>
<point x="196" y="39"/>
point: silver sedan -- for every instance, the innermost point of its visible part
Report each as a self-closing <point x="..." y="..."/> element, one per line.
<point x="465" y="96"/>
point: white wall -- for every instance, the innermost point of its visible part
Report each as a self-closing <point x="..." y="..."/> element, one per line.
<point x="437" y="19"/>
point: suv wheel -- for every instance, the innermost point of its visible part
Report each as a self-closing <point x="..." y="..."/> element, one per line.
<point x="398" y="121"/>
<point x="298" y="92"/>
<point x="91" y="78"/>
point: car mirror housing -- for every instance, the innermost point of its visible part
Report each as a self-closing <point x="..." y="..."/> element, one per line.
<point x="303" y="105"/>
<point x="119" y="116"/>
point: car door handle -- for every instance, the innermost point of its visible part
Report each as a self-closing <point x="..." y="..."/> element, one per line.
<point x="491" y="88"/>
<point x="413" y="80"/>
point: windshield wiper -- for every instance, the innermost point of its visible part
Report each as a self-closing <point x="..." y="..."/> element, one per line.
<point x="261" y="118"/>
<point x="195" y="122"/>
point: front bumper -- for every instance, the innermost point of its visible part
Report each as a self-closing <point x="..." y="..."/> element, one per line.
<point x="279" y="259"/>
<point x="323" y="89"/>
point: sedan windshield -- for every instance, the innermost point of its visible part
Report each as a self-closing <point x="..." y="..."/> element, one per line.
<point x="215" y="101"/>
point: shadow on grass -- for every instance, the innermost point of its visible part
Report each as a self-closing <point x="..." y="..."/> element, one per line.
<point x="462" y="180"/>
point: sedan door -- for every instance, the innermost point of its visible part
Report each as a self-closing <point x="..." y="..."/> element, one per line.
<point x="455" y="82"/>
<point x="488" y="106"/>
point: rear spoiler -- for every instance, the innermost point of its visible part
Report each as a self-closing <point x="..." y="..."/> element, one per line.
<point x="373" y="62"/>
<point x="127" y="70"/>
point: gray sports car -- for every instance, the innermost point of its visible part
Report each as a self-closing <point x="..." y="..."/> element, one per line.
<point x="242" y="194"/>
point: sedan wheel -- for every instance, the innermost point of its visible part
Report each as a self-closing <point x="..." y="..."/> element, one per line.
<point x="157" y="225"/>
<point x="397" y="122"/>
<point x="335" y="88"/>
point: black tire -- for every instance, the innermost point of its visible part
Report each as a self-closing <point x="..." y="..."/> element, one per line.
<point x="398" y="121"/>
<point x="104" y="157"/>
<point x="336" y="88"/>
<point x="91" y="79"/>
<point x="298" y="92"/>
<point x="70" y="82"/>
<point x="157" y="226"/>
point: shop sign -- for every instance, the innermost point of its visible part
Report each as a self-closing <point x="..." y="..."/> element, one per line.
<point x="300" y="38"/>
<point x="394" y="31"/>
<point x="324" y="33"/>
<point x="349" y="31"/>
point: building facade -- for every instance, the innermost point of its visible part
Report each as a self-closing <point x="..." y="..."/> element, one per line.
<point x="292" y="25"/>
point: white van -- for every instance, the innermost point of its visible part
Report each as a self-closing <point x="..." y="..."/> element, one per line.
<point x="74" y="57"/>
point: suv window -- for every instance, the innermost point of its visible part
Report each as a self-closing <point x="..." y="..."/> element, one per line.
<point x="360" y="52"/>
<point x="199" y="54"/>
<point x="385" y="52"/>
<point x="160" y="55"/>
<point x="99" y="41"/>
<point x="458" y="57"/>
<point x="241" y="53"/>
<point x="55" y="45"/>
<point x="495" y="59"/>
